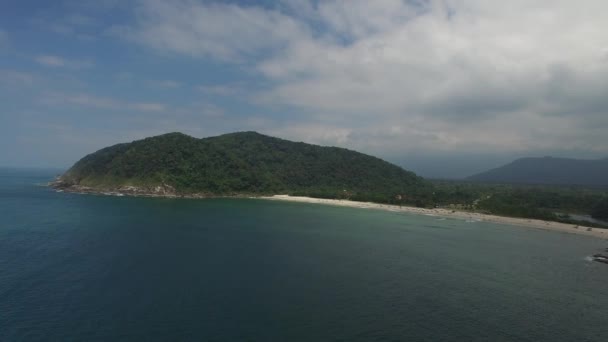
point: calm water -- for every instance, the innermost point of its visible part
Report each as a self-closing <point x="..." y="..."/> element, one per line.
<point x="93" y="268"/>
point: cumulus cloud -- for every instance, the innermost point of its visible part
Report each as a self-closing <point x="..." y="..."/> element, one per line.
<point x="404" y="75"/>
<point x="60" y="62"/>
<point x="217" y="30"/>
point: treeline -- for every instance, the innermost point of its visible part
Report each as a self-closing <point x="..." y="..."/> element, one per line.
<point x="600" y="210"/>
<point x="537" y="202"/>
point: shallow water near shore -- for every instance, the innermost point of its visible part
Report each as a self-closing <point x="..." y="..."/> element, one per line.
<point x="98" y="268"/>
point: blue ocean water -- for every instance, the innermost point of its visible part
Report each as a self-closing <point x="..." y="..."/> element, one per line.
<point x="95" y="268"/>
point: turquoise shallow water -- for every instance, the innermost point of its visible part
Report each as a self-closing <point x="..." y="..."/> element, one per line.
<point x="94" y="268"/>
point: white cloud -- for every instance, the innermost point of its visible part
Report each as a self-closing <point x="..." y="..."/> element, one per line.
<point x="170" y="84"/>
<point x="60" y="62"/>
<point x="207" y="110"/>
<point x="147" y="107"/>
<point x="219" y="90"/>
<point x="52" y="61"/>
<point x="221" y="31"/>
<point x="97" y="102"/>
<point x="358" y="19"/>
<point x="404" y="75"/>
<point x="80" y="100"/>
<point x="313" y="133"/>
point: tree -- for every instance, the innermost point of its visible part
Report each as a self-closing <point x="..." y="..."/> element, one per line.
<point x="600" y="211"/>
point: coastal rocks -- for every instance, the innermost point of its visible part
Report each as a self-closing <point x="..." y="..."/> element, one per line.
<point x="132" y="190"/>
<point x="600" y="258"/>
<point x="61" y="184"/>
<point x="164" y="189"/>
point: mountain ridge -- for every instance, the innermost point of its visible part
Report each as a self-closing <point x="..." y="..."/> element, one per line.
<point x="548" y="171"/>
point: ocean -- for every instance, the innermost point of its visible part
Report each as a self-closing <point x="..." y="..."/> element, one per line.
<point x="98" y="268"/>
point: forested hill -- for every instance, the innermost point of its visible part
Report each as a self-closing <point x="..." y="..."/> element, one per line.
<point x="549" y="170"/>
<point x="243" y="163"/>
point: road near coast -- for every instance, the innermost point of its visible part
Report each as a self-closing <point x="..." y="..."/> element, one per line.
<point x="522" y="222"/>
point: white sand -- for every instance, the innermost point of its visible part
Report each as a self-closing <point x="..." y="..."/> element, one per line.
<point x="530" y="223"/>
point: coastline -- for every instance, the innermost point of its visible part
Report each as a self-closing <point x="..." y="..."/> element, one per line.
<point x="168" y="192"/>
<point x="477" y="217"/>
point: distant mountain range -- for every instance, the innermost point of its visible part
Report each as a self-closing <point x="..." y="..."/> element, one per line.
<point x="549" y="170"/>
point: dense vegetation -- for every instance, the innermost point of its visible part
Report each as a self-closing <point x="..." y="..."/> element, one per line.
<point x="549" y="170"/>
<point x="530" y="201"/>
<point x="248" y="163"/>
<point x="600" y="210"/>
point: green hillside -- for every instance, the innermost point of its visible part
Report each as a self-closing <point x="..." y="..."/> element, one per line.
<point x="245" y="163"/>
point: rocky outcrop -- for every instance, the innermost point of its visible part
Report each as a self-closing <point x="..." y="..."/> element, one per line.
<point x="601" y="258"/>
<point x="162" y="190"/>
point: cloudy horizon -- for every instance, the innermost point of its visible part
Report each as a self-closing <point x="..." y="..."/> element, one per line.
<point x="446" y="88"/>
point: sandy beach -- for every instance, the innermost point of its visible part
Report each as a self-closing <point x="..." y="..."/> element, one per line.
<point x="521" y="222"/>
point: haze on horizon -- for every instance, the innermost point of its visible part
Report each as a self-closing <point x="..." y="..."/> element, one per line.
<point x="445" y="88"/>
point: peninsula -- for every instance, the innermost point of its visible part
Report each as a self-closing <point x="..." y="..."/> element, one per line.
<point x="249" y="164"/>
<point x="241" y="164"/>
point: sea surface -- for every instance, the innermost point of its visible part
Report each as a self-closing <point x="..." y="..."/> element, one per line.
<point x="98" y="268"/>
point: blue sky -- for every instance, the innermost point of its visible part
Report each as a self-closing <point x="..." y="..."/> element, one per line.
<point x="446" y="87"/>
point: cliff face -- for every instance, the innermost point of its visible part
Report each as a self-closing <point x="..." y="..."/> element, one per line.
<point x="238" y="163"/>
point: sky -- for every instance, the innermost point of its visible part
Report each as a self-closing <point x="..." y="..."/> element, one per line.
<point x="446" y="88"/>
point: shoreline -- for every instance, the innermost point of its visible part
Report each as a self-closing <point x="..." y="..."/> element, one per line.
<point x="447" y="213"/>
